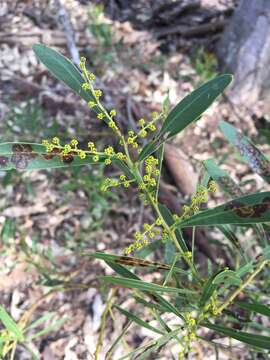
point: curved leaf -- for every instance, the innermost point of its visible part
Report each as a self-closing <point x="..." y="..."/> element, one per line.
<point x="249" y="209"/>
<point x="256" y="160"/>
<point x="194" y="104"/>
<point x="63" y="69"/>
<point x="248" y="338"/>
<point x="30" y="156"/>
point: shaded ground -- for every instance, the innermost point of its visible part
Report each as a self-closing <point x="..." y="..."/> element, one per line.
<point x="47" y="218"/>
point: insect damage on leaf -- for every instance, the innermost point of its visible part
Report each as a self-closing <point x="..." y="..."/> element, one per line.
<point x="257" y="161"/>
<point x="67" y="158"/>
<point x="4" y="161"/>
<point x="21" y="155"/>
<point x="253" y="211"/>
<point x="126" y="260"/>
<point x="230" y="185"/>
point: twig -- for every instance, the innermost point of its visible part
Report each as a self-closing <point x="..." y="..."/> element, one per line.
<point x="103" y="323"/>
<point x="191" y="31"/>
<point x="65" y="22"/>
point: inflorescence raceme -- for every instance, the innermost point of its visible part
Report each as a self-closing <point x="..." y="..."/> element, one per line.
<point x="147" y="182"/>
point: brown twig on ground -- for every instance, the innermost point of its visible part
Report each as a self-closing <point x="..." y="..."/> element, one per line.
<point x="65" y="22"/>
<point x="191" y="31"/>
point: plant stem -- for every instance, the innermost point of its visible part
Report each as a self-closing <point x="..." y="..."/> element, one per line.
<point x="247" y="281"/>
<point x="103" y="323"/>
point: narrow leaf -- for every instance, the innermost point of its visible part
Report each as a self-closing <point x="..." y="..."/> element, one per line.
<point x="256" y="160"/>
<point x="194" y="104"/>
<point x="248" y="338"/>
<point x="132" y="261"/>
<point x="63" y="69"/>
<point x="142" y="285"/>
<point x="137" y="320"/>
<point x="30" y="156"/>
<point x="10" y="324"/>
<point x="255" y="306"/>
<point x="249" y="209"/>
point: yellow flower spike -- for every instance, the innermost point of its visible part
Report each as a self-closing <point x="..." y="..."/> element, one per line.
<point x="142" y="134"/>
<point x="98" y="93"/>
<point x="100" y="116"/>
<point x="45" y="142"/>
<point x="126" y="184"/>
<point x="109" y="150"/>
<point x="141" y="122"/>
<point x="120" y="156"/>
<point x="91" y="76"/>
<point x="86" y="86"/>
<point x="122" y="177"/>
<point x="142" y="186"/>
<point x="146" y="226"/>
<point x="212" y="187"/>
<point x="152" y="127"/>
<point x="113" y="112"/>
<point x="74" y="142"/>
<point x="107" y="161"/>
<point x="67" y="148"/>
<point x="91" y="104"/>
<point x="154" y="115"/>
<point x="56" y="141"/>
<point x="138" y="235"/>
<point x="130" y="140"/>
<point x="82" y="154"/>
<point x="148" y="169"/>
<point x="130" y="133"/>
<point x="50" y="147"/>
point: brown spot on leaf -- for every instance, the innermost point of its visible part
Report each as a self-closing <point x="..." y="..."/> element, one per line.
<point x="67" y="159"/>
<point x="3" y="161"/>
<point x="139" y="262"/>
<point x="253" y="211"/>
<point x="52" y="154"/>
<point x="22" y="153"/>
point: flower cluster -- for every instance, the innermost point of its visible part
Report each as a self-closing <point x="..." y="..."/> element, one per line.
<point x="149" y="178"/>
<point x="201" y="196"/>
<point x="189" y="336"/>
<point x="70" y="148"/>
<point x="143" y="238"/>
<point x="115" y="182"/>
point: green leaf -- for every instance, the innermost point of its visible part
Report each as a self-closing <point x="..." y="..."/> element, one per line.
<point x="138" y="321"/>
<point x="249" y="209"/>
<point x="63" y="69"/>
<point x="133" y="261"/>
<point x="186" y="111"/>
<point x="142" y="285"/>
<point x="31" y="156"/>
<point x="248" y="338"/>
<point x="10" y="324"/>
<point x="194" y="104"/>
<point x="151" y="346"/>
<point x="230" y="235"/>
<point x="256" y="160"/>
<point x="208" y="289"/>
<point x="228" y="278"/>
<point x="223" y="179"/>
<point x="255" y="306"/>
<point x="168" y="217"/>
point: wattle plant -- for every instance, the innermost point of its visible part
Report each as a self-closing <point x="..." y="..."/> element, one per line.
<point x="196" y="301"/>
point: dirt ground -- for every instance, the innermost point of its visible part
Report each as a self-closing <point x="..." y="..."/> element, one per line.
<point x="48" y="218"/>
